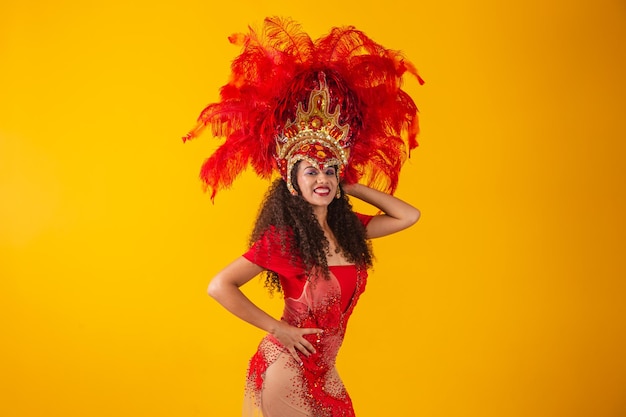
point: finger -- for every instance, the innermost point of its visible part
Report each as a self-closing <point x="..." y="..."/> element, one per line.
<point x="308" y="347"/>
<point x="317" y="332"/>
<point x="302" y="347"/>
<point x="313" y="331"/>
<point x="295" y="356"/>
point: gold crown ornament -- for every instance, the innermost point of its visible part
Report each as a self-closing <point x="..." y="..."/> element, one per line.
<point x="315" y="136"/>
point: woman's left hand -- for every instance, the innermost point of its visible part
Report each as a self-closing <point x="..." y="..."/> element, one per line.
<point x="292" y="338"/>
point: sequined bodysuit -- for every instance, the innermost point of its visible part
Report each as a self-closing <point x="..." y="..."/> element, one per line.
<point x="277" y="386"/>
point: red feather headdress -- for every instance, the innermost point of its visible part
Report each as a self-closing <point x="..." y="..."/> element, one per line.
<point x="286" y="90"/>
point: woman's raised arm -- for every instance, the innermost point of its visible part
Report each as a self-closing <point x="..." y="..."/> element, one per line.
<point x="398" y="215"/>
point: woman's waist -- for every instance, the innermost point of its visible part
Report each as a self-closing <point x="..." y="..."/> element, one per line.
<point x="319" y="362"/>
<point x="330" y="321"/>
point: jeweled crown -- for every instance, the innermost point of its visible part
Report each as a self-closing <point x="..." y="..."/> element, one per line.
<point x="316" y="135"/>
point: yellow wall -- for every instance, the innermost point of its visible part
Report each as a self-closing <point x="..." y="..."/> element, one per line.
<point x="507" y="299"/>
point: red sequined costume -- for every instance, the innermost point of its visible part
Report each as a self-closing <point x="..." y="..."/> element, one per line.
<point x="277" y="386"/>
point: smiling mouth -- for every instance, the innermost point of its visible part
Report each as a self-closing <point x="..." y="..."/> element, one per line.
<point x="322" y="191"/>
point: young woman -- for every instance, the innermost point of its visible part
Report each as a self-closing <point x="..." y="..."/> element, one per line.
<point x="293" y="373"/>
<point x="329" y="116"/>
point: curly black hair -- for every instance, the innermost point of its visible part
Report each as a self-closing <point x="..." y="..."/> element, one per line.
<point x="296" y="226"/>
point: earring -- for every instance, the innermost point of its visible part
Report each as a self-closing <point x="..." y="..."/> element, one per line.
<point x="294" y="192"/>
<point x="339" y="173"/>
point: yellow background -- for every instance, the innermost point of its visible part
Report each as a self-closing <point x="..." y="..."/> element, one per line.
<point x="506" y="299"/>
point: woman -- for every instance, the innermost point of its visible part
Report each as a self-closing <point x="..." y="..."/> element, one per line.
<point x="326" y="115"/>
<point x="289" y="367"/>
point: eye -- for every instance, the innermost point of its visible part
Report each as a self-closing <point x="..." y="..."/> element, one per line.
<point x="310" y="171"/>
<point x="331" y="171"/>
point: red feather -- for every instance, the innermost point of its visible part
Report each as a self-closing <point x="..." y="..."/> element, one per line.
<point x="277" y="68"/>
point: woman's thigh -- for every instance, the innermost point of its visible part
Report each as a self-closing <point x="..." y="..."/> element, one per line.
<point x="284" y="393"/>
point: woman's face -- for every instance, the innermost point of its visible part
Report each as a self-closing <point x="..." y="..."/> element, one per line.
<point x="317" y="187"/>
